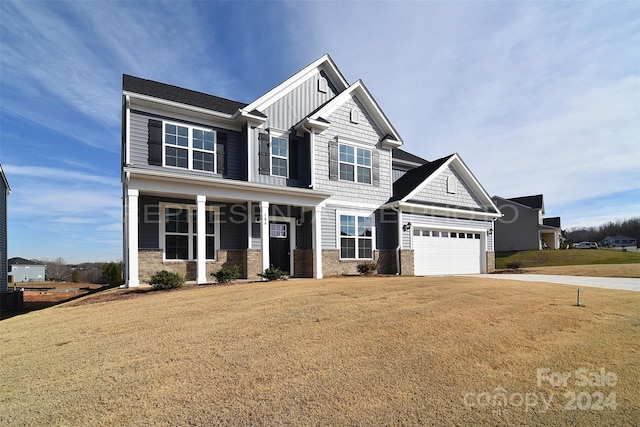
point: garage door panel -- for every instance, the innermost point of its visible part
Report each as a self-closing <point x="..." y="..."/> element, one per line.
<point x="437" y="255"/>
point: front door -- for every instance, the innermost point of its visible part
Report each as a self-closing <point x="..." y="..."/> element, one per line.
<point x="279" y="246"/>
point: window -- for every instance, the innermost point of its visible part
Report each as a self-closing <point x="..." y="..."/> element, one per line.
<point x="189" y="148"/>
<point x="180" y="228"/>
<point x="278" y="231"/>
<point x="355" y="164"/>
<point x="356" y="237"/>
<point x="279" y="155"/>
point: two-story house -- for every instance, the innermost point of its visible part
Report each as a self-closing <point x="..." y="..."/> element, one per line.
<point x="309" y="178"/>
<point x="523" y="227"/>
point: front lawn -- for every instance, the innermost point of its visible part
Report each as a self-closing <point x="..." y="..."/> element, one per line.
<point x="356" y="351"/>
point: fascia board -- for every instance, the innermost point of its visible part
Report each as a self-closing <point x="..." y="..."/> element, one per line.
<point x="324" y="62"/>
<point x="150" y="101"/>
<point x="479" y="190"/>
<point x="4" y="179"/>
<point x="448" y="212"/>
<point x="358" y="89"/>
<point x="237" y="189"/>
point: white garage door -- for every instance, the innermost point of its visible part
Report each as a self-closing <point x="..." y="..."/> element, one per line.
<point x="446" y="252"/>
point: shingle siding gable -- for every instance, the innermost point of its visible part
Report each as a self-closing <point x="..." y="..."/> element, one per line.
<point x="436" y="192"/>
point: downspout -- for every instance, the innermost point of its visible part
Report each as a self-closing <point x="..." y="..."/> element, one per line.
<point x="399" y="223"/>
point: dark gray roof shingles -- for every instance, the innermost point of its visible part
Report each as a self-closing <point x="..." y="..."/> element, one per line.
<point x="181" y="95"/>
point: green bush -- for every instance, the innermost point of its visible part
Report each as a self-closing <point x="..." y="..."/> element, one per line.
<point x="166" y="280"/>
<point x="227" y="274"/>
<point x="111" y="273"/>
<point x="367" y="268"/>
<point x="273" y="273"/>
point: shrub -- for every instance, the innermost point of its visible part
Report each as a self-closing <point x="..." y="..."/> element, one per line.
<point x="367" y="268"/>
<point x="273" y="273"/>
<point x="227" y="274"/>
<point x="111" y="273"/>
<point x="514" y="265"/>
<point x="166" y="280"/>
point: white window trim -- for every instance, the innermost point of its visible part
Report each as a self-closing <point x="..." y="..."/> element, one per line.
<point x="192" y="235"/>
<point x="355" y="163"/>
<point x="190" y="149"/>
<point x="373" y="234"/>
<point x="275" y="133"/>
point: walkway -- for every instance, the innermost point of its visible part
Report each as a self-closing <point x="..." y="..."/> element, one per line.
<point x="620" y="283"/>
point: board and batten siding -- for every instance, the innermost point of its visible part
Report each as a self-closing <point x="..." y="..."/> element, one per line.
<point x="441" y="223"/>
<point x="139" y="145"/>
<point x="365" y="133"/>
<point x="436" y="192"/>
<point x="298" y="103"/>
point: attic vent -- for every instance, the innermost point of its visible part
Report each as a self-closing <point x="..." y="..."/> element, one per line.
<point x="355" y="115"/>
<point x="452" y="184"/>
<point x="322" y="85"/>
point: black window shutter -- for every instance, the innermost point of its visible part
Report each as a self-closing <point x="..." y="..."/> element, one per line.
<point x="293" y="158"/>
<point x="375" y="168"/>
<point x="333" y="159"/>
<point x="155" y="142"/>
<point x="221" y="152"/>
<point x="264" y="156"/>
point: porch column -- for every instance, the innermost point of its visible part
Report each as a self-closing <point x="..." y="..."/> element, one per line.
<point x="132" y="238"/>
<point x="201" y="236"/>
<point x="317" y="242"/>
<point x="264" y="233"/>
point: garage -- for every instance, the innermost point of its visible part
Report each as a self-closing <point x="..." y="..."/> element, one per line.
<point x="440" y="252"/>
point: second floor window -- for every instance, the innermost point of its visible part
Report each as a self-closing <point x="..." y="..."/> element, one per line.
<point x="189" y="148"/>
<point x="355" y="164"/>
<point x="279" y="156"/>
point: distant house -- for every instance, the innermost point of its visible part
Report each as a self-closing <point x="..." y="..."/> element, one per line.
<point x="24" y="270"/>
<point x="618" y="242"/>
<point x="522" y="226"/>
<point x="4" y="192"/>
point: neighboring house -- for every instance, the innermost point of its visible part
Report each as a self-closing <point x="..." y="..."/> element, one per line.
<point x="4" y="192"/>
<point x="24" y="270"/>
<point x="618" y="242"/>
<point x="522" y="226"/>
<point x="302" y="179"/>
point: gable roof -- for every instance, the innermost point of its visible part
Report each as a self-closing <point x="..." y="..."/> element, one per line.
<point x="4" y="180"/>
<point x="358" y="89"/>
<point x="408" y="182"/>
<point x="324" y="63"/>
<point x="177" y="94"/>
<point x="534" y="202"/>
<point x="412" y="182"/>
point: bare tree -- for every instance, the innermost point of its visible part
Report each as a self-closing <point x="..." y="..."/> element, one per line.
<point x="57" y="269"/>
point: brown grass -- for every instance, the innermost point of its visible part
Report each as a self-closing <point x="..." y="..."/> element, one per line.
<point x="375" y="351"/>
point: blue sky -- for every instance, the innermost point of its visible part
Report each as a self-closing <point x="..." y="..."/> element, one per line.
<point x="536" y="97"/>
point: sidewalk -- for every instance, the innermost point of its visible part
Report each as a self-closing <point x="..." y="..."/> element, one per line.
<point x="620" y="283"/>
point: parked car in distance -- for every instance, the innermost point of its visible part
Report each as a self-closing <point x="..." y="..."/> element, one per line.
<point x="585" y="245"/>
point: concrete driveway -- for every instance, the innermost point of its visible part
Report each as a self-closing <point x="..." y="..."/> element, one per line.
<point x="625" y="284"/>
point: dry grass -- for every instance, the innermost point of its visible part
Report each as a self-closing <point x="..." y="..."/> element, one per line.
<point x="375" y="351"/>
